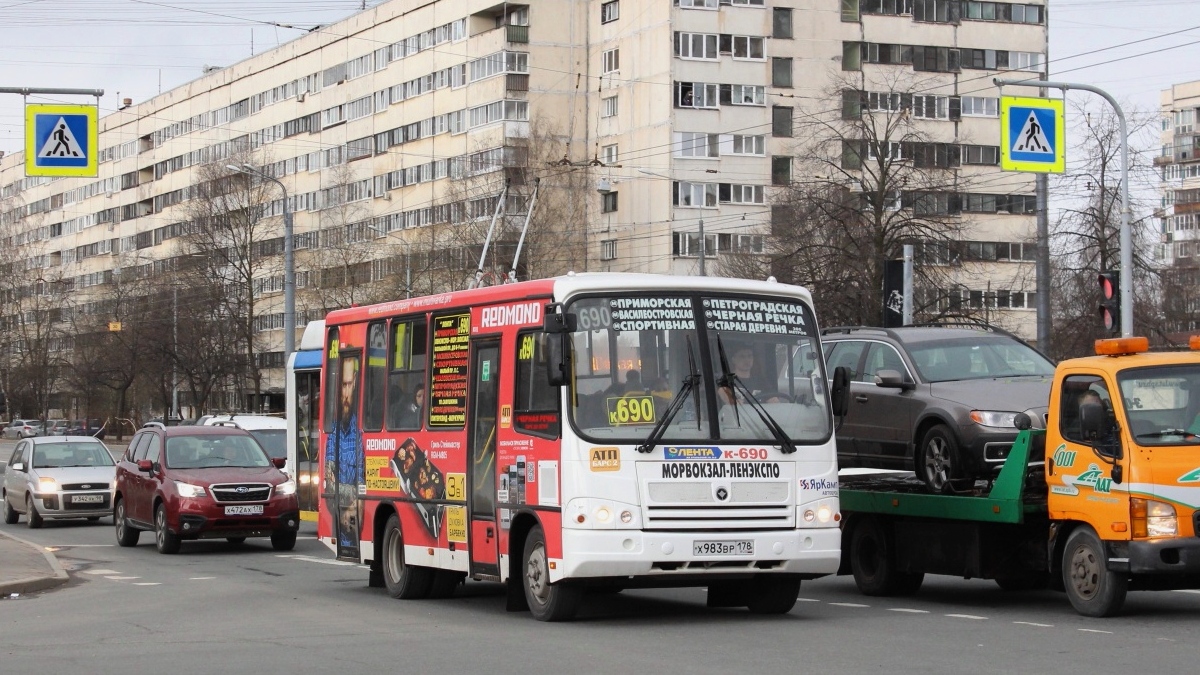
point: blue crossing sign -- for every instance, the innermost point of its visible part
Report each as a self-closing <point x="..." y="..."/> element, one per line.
<point x="61" y="140"/>
<point x="1032" y="134"/>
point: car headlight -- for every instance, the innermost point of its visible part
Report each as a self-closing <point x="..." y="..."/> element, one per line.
<point x="288" y="487"/>
<point x="190" y="491"/>
<point x="47" y="485"/>
<point x="993" y="418"/>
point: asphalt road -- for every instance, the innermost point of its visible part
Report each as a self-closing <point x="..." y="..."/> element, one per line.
<point x="219" y="608"/>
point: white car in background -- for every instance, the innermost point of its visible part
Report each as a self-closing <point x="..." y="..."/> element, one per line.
<point x="52" y="477"/>
<point x="270" y="432"/>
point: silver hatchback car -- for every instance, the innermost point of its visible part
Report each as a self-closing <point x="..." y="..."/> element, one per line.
<point x="58" y="477"/>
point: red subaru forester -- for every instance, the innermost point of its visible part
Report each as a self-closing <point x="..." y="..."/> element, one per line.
<point x="200" y="482"/>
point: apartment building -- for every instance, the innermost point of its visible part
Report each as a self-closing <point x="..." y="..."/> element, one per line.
<point x="669" y="113"/>
<point x="1179" y="214"/>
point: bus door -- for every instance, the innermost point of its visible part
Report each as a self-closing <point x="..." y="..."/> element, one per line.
<point x="481" y="439"/>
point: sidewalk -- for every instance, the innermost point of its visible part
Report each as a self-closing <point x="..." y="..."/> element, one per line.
<point x="26" y="567"/>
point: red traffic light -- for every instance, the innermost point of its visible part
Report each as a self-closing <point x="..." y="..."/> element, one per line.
<point x="1110" y="301"/>
<point x="1108" y="287"/>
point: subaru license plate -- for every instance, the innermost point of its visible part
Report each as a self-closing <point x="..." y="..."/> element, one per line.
<point x="87" y="499"/>
<point x="741" y="547"/>
<point x="244" y="510"/>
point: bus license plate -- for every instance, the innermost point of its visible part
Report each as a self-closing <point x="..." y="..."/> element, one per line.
<point x="244" y="510"/>
<point x="88" y="499"/>
<point x="743" y="547"/>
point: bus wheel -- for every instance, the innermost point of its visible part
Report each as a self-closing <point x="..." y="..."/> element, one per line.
<point x="1092" y="589"/>
<point x="773" y="594"/>
<point x="873" y="562"/>
<point x="406" y="582"/>
<point x="547" y="601"/>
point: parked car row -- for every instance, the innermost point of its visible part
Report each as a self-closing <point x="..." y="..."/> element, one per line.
<point x="28" y="428"/>
<point x="179" y="482"/>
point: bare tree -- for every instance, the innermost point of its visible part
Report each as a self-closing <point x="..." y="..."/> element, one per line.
<point x="865" y="180"/>
<point x="1086" y="234"/>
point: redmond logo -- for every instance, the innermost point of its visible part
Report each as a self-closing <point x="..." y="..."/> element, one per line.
<point x="1192" y="476"/>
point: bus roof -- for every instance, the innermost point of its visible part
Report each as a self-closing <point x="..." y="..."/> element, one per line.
<point x="560" y="288"/>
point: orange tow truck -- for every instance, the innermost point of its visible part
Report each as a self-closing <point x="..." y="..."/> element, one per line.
<point x="1104" y="501"/>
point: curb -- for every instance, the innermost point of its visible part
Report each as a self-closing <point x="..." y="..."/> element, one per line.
<point x="35" y="583"/>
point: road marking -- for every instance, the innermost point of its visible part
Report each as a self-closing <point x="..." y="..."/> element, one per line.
<point x="1188" y="590"/>
<point x="1030" y="623"/>
<point x="101" y="572"/>
<point x="58" y="547"/>
<point x="967" y="616"/>
<point x="323" y="561"/>
<point x="148" y="583"/>
<point x="847" y="604"/>
<point x="200" y="578"/>
<point x="1093" y="630"/>
<point x="122" y="578"/>
<point x="807" y="600"/>
<point x="908" y="610"/>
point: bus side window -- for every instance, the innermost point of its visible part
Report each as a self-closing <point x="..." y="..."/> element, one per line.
<point x="376" y="374"/>
<point x="406" y="395"/>
<point x="331" y="380"/>
<point x="535" y="405"/>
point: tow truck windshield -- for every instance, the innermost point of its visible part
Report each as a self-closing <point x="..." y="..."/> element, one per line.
<point x="630" y="355"/>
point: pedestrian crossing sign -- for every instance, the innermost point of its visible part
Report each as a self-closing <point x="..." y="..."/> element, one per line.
<point x="1032" y="135"/>
<point x="61" y="140"/>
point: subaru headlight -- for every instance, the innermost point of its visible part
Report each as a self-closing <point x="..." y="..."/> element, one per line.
<point x="47" y="485"/>
<point x="288" y="487"/>
<point x="190" y="491"/>
<point x="994" y="418"/>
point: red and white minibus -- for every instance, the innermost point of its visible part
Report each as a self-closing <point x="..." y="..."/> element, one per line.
<point x="591" y="430"/>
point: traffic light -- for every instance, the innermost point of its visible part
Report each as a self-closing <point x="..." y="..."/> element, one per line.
<point x="1110" y="300"/>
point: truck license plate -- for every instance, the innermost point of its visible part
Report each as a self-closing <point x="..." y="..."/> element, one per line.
<point x="88" y="499"/>
<point x="742" y="547"/>
<point x="244" y="510"/>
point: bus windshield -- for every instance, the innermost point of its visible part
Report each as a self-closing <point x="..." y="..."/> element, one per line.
<point x="756" y="363"/>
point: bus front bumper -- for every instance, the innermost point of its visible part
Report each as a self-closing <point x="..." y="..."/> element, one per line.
<point x="624" y="553"/>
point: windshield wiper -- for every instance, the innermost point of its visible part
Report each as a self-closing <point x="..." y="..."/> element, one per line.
<point x="688" y="387"/>
<point x="730" y="380"/>
<point x="1166" y="432"/>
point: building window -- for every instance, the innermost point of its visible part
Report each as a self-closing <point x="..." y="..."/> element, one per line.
<point x="611" y="60"/>
<point x="980" y="106"/>
<point x="988" y="155"/>
<point x="748" y="47"/>
<point x="781" y="23"/>
<point x="728" y="193"/>
<point x="696" y="45"/>
<point x="688" y="244"/>
<point x="886" y="7"/>
<point x="697" y="4"/>
<point x="695" y="95"/>
<point x="781" y="121"/>
<point x="930" y="107"/>
<point x="743" y="94"/>
<point x="608" y="247"/>
<point x="781" y="170"/>
<point x="608" y="154"/>
<point x="781" y="72"/>
<point x="693" y="144"/>
<point x="937" y="11"/>
<point x="609" y="108"/>
<point x="610" y="11"/>
<point x="746" y="145"/>
<point x="696" y="195"/>
<point x="608" y="202"/>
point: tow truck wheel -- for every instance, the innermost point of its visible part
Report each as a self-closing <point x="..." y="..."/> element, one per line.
<point x="873" y="563"/>
<point x="1092" y="589"/>
<point x="547" y="601"/>
<point x="406" y="582"/>
<point x="938" y="458"/>
<point x="773" y="594"/>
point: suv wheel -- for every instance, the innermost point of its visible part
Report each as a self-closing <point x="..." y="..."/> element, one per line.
<point x="283" y="540"/>
<point x="166" y="540"/>
<point x="937" y="460"/>
<point x="126" y="534"/>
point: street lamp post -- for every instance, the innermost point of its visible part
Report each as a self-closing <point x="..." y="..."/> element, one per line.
<point x="289" y="264"/>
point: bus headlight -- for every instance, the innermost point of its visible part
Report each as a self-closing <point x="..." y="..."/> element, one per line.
<point x="819" y="513"/>
<point x="600" y="514"/>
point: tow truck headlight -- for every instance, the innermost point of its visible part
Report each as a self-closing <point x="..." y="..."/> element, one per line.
<point x="1153" y="518"/>
<point x="994" y="418"/>
<point x="190" y="491"/>
<point x="288" y="487"/>
<point x="47" y="485"/>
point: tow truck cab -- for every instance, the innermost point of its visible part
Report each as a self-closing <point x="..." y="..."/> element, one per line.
<point x="1123" y="472"/>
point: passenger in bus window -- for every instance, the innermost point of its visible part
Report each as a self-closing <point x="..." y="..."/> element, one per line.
<point x="410" y="414"/>
<point x="633" y="384"/>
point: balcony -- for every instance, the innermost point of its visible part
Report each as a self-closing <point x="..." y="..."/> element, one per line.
<point x="518" y="34"/>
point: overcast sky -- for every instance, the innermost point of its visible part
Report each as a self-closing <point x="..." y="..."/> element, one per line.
<point x="135" y="48"/>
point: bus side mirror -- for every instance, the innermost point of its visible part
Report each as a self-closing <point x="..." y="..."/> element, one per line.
<point x="839" y="393"/>
<point x="557" y="364"/>
<point x="557" y="321"/>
